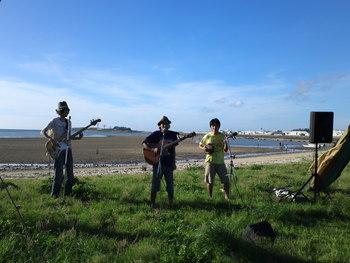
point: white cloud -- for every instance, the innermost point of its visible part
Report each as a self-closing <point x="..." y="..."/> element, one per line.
<point x="237" y="103"/>
<point x="163" y="69"/>
<point x="189" y="105"/>
<point x="220" y="100"/>
<point x="316" y="88"/>
<point x="138" y="102"/>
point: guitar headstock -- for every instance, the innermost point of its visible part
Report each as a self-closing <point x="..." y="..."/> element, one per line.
<point x="230" y="134"/>
<point x="94" y="122"/>
<point x="192" y="134"/>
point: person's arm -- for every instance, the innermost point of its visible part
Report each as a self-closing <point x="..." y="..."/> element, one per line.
<point x="78" y="136"/>
<point x="146" y="147"/>
<point x="202" y="147"/>
<point x="44" y="133"/>
<point x="81" y="135"/>
<point x="203" y="143"/>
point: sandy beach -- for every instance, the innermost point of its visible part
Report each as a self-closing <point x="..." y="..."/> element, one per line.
<point x="26" y="157"/>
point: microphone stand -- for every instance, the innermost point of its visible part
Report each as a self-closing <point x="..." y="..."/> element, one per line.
<point x="232" y="167"/>
<point x="160" y="155"/>
<point x="67" y="145"/>
<point x="159" y="168"/>
<point x="317" y="182"/>
<point x="232" y="171"/>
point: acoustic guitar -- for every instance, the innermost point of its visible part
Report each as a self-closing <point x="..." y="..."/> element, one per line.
<point x="55" y="150"/>
<point x="153" y="158"/>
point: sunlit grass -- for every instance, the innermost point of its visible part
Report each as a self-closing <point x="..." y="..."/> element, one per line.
<point x="109" y="220"/>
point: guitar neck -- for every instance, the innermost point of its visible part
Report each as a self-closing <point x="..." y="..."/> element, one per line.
<point x="174" y="142"/>
<point x="83" y="129"/>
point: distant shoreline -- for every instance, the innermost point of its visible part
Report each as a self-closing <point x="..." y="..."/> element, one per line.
<point x="36" y="133"/>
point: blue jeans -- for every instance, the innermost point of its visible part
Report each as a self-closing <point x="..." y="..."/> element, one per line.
<point x="57" y="182"/>
<point x="168" y="173"/>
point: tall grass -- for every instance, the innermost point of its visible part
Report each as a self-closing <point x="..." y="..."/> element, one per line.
<point x="109" y="220"/>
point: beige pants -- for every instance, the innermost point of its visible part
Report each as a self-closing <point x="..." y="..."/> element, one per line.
<point x="214" y="168"/>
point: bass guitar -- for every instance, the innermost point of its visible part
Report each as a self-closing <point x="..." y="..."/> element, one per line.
<point x="153" y="158"/>
<point x="54" y="150"/>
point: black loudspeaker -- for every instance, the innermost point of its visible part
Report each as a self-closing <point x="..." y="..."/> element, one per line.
<point x="321" y="127"/>
<point x="258" y="231"/>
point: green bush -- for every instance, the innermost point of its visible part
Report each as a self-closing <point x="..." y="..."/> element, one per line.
<point x="81" y="190"/>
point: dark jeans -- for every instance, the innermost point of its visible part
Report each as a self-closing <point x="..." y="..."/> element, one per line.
<point x="168" y="173"/>
<point x="58" y="166"/>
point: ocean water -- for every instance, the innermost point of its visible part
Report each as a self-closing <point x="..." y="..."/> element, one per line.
<point x="12" y="133"/>
<point x="239" y="142"/>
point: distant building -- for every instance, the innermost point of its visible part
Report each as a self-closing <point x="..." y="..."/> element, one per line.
<point x="296" y="133"/>
<point x="336" y="133"/>
<point x="278" y="132"/>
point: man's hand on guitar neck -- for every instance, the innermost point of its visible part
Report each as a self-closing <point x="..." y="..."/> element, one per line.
<point x="81" y="135"/>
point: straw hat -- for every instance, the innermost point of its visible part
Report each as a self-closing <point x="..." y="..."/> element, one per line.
<point x="62" y="105"/>
<point x="164" y="120"/>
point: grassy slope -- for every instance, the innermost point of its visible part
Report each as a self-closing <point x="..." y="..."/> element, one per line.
<point x="117" y="225"/>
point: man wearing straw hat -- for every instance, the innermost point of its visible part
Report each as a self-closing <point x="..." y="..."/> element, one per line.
<point x="56" y="130"/>
<point x="155" y="143"/>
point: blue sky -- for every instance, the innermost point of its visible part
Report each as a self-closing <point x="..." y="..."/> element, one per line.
<point x="252" y="64"/>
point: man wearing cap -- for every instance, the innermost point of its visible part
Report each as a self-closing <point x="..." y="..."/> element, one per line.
<point x="166" y="166"/>
<point x="55" y="131"/>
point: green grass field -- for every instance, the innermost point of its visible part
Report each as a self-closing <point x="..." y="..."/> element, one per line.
<point x="109" y="220"/>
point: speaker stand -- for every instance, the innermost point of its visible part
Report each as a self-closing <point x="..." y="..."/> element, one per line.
<point x="313" y="176"/>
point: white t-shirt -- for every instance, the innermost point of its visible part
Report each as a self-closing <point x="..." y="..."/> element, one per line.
<point x="57" y="128"/>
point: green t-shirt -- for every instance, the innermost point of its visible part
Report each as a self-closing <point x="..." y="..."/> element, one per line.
<point x="218" y="142"/>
